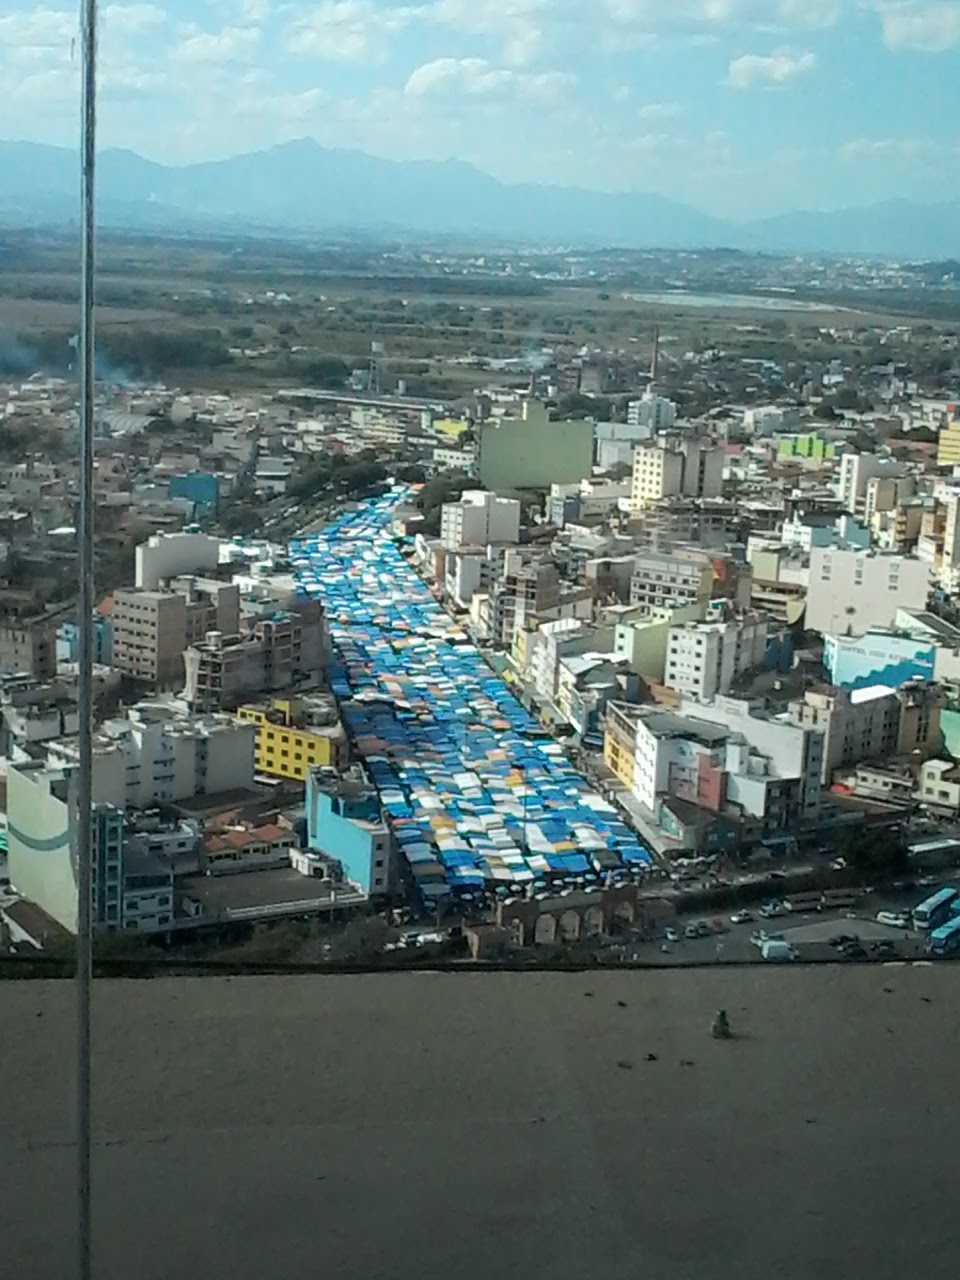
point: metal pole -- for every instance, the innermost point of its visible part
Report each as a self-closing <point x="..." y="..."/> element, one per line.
<point x="88" y="36"/>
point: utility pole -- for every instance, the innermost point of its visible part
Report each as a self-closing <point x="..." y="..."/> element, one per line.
<point x="84" y="829"/>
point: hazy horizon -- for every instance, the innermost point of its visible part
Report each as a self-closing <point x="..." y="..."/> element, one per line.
<point x="738" y="108"/>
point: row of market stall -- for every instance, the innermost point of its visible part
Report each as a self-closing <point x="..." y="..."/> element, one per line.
<point x="476" y="799"/>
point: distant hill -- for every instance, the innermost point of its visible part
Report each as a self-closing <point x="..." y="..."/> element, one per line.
<point x="301" y="186"/>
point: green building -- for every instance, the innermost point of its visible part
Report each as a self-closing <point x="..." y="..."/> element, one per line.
<point x="811" y="446"/>
<point x="531" y="452"/>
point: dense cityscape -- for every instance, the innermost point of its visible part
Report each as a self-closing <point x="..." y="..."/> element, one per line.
<point x="614" y="652"/>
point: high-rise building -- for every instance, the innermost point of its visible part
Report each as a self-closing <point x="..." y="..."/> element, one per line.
<point x="948" y="444"/>
<point x="130" y="891"/>
<point x="705" y="658"/>
<point x="674" y="467"/>
<point x="478" y="519"/>
<point x="152" y="628"/>
<point x="851" y="591"/>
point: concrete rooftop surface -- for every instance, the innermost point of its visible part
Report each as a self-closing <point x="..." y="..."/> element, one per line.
<point x="426" y="1125"/>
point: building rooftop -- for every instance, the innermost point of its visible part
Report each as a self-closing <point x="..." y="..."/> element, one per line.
<point x="609" y="1141"/>
<point x="666" y="724"/>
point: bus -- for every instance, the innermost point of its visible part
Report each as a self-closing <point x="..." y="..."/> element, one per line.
<point x="932" y="912"/>
<point x="945" y="940"/>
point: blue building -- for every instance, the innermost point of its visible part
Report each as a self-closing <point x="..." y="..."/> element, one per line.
<point x="345" y="823"/>
<point x="879" y="657"/>
<point x="202" y="488"/>
<point x="68" y="641"/>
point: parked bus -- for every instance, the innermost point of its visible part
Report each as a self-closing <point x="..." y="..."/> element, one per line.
<point x="933" y="911"/>
<point x="834" y="898"/>
<point x="946" y="939"/>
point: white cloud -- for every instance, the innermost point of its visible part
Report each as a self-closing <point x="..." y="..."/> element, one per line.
<point x="660" y="111"/>
<point x="218" y="48"/>
<point x="902" y="150"/>
<point x="132" y="19"/>
<point x="477" y="78"/>
<point x="928" y="26"/>
<point x="766" y="15"/>
<point x="40" y="29"/>
<point x="769" y="71"/>
<point x="346" y="30"/>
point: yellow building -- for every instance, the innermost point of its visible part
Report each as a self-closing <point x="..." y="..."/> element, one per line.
<point x="620" y="741"/>
<point x="296" y="734"/>
<point x="948" y="446"/>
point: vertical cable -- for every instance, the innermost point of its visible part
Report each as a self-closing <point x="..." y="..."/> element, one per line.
<point x="84" y="830"/>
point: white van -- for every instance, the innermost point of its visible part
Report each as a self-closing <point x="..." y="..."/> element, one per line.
<point x="777" y="949"/>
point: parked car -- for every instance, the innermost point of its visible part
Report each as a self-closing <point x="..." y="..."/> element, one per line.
<point x="845" y="940"/>
<point x="691" y="931"/>
<point x="671" y="935"/>
<point x="853" y="951"/>
<point x="703" y="929"/>
<point x="769" y="910"/>
<point x="883" y="947"/>
<point x="741" y="917"/>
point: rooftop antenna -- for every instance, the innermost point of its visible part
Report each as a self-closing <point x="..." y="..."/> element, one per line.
<point x="84" y="828"/>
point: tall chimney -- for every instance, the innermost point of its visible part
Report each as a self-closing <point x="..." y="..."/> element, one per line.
<point x="655" y="357"/>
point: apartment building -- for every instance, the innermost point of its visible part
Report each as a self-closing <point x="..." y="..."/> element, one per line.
<point x="723" y="758"/>
<point x="674" y="466"/>
<point x="526" y="590"/>
<point x="704" y="659"/>
<point x="687" y="576"/>
<point x="152" y="628"/>
<point x="948" y="444"/>
<point x="278" y="653"/>
<point x="533" y="451"/>
<point x="131" y="891"/>
<point x="296" y="734"/>
<point x="28" y="647"/>
<point x="857" y="470"/>
<point x="872" y="723"/>
<point x="851" y="591"/>
<point x="657" y="474"/>
<point x="160" y="752"/>
<point x="652" y="412"/>
<point x="172" y="555"/>
<point x="345" y="824"/>
<point x="557" y="640"/>
<point x="478" y="519"/>
<point x="673" y="522"/>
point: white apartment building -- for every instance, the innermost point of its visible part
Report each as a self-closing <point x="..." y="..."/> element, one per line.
<point x="856" y="470"/>
<point x="478" y="519"/>
<point x="162" y="753"/>
<point x="720" y="756"/>
<point x="767" y="420"/>
<point x="675" y="467"/>
<point x="851" y="591"/>
<point x="653" y="412"/>
<point x="793" y="751"/>
<point x="554" y="641"/>
<point x="703" y="659"/>
<point x="170" y="555"/>
<point x="657" y="473"/>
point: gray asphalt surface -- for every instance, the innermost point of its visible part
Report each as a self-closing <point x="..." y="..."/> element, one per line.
<point x="419" y="1125"/>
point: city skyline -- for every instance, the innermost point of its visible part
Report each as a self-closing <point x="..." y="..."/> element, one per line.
<point x="737" y="107"/>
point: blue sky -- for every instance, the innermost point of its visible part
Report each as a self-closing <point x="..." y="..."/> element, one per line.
<point x="739" y="107"/>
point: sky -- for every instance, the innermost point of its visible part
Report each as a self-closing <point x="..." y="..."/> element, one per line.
<point x="737" y="107"/>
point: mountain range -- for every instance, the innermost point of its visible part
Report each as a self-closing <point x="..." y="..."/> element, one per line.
<point x="301" y="187"/>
